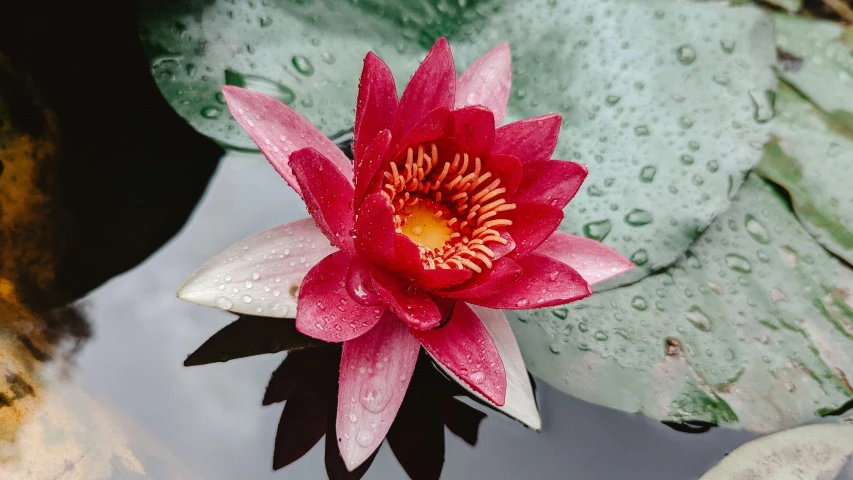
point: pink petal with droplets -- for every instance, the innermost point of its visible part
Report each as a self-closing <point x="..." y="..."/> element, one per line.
<point x="529" y="140"/>
<point x="360" y="284"/>
<point x="437" y="123"/>
<point x="532" y="223"/>
<point x="374" y="230"/>
<point x="366" y="170"/>
<point x="375" y="372"/>
<point x="503" y="274"/>
<point x="327" y="194"/>
<point x="432" y="86"/>
<point x="408" y="301"/>
<point x="325" y="309"/>
<point x="506" y="168"/>
<point x="545" y="283"/>
<point x="464" y="347"/>
<point x="436" y="279"/>
<point x="550" y="182"/>
<point x="279" y="131"/>
<point x="520" y="401"/>
<point x="595" y="261"/>
<point x="376" y="105"/>
<point x="487" y="82"/>
<point x="474" y="131"/>
<point x="276" y="259"/>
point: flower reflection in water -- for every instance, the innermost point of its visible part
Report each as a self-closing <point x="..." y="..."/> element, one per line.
<point x="307" y="381"/>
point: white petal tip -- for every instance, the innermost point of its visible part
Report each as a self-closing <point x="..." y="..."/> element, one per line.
<point x="355" y="457"/>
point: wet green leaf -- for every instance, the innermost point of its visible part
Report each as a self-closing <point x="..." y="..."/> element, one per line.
<point x="667" y="102"/>
<point x="752" y="328"/>
<point x="813" y="451"/>
<point x="811" y="157"/>
<point x="823" y="66"/>
<point x="789" y="5"/>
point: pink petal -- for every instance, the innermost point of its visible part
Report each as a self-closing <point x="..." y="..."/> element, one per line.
<point x="279" y="131"/>
<point x="532" y="223"/>
<point x="409" y="302"/>
<point x="376" y="105"/>
<point x="436" y="279"/>
<point x="371" y="162"/>
<point x="474" y="131"/>
<point x="507" y="168"/>
<point x="432" y="86"/>
<point x="249" y="266"/>
<point x="464" y="347"/>
<point x="437" y="123"/>
<point x="550" y="182"/>
<point x="374" y="230"/>
<point x="520" y="402"/>
<point x="545" y="283"/>
<point x="327" y="194"/>
<point x="325" y="309"/>
<point x="503" y="274"/>
<point x="407" y="257"/>
<point x="487" y="82"/>
<point x="360" y="284"/>
<point x="375" y="372"/>
<point x="595" y="261"/>
<point x="529" y="140"/>
<point x="503" y="249"/>
<point x="376" y="240"/>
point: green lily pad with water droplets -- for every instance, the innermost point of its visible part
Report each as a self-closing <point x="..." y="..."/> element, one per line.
<point x="816" y="59"/>
<point x="812" y="158"/>
<point x="752" y="328"/>
<point x="820" y="451"/>
<point x="665" y="102"/>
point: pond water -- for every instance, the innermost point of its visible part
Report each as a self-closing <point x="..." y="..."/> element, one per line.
<point x="207" y="421"/>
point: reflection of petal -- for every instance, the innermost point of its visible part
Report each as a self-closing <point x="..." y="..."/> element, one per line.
<point x="263" y="271"/>
<point x="286" y="377"/>
<point x="520" y="402"/>
<point x="249" y="336"/>
<point x="463" y="420"/>
<point x="303" y="420"/>
<point x="417" y="435"/>
<point x="375" y="372"/>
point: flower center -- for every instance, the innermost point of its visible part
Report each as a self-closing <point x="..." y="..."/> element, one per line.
<point x="450" y="207"/>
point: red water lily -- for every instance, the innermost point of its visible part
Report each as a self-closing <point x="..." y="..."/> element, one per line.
<point x="440" y="215"/>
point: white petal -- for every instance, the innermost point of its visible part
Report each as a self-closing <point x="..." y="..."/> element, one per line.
<point x="812" y="451"/>
<point x="260" y="275"/>
<point x="520" y="402"/>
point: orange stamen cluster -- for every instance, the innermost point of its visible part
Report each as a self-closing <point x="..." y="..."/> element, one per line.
<point x="466" y="202"/>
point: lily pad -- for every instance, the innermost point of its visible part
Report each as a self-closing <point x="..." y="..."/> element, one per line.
<point x="810" y="157"/>
<point x="666" y="102"/>
<point x="823" y="71"/>
<point x="813" y="451"/>
<point x="752" y="328"/>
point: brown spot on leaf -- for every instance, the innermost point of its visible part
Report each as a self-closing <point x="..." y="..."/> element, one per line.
<point x="674" y="347"/>
<point x="788" y="61"/>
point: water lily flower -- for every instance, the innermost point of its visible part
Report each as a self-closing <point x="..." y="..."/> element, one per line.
<point x="442" y="220"/>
